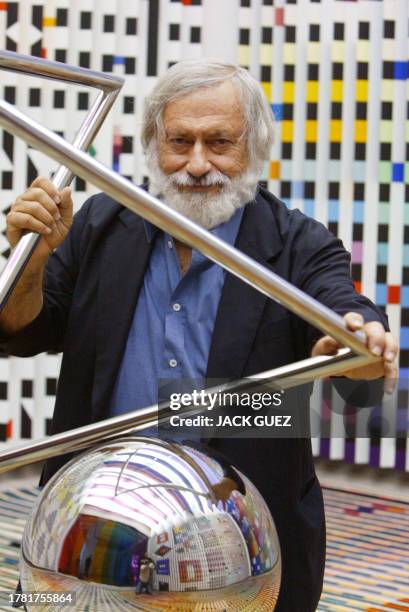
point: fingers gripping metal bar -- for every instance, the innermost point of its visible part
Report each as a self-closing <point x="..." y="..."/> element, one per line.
<point x="109" y="87"/>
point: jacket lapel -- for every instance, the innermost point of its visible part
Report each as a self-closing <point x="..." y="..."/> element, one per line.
<point x="241" y="306"/>
<point x="122" y="267"/>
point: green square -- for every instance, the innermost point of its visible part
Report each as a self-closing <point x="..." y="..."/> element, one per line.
<point x="385" y="131"/>
<point x="384" y="172"/>
<point x="383" y="213"/>
<point x="406" y="214"/>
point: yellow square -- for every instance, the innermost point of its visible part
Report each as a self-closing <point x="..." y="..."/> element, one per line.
<point x="313" y="52"/>
<point x="360" y="130"/>
<point x="266" y="55"/>
<point x="274" y="170"/>
<point x="289" y="55"/>
<point x="311" y="130"/>
<point x="338" y="51"/>
<point x="362" y="91"/>
<point x="49" y="22"/>
<point x="312" y="91"/>
<point x="362" y="51"/>
<point x="288" y="92"/>
<point x="335" y="130"/>
<point x="287" y="127"/>
<point x="267" y="90"/>
<point x="387" y="90"/>
<point x="244" y="55"/>
<point x="336" y="91"/>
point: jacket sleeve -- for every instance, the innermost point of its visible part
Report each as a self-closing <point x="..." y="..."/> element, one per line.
<point x="323" y="266"/>
<point x="46" y="332"/>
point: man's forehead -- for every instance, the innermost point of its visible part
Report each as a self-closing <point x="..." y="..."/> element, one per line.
<point x="211" y="126"/>
<point x="209" y="103"/>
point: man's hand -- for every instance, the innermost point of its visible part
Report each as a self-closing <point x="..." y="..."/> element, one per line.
<point x="42" y="209"/>
<point x="380" y="342"/>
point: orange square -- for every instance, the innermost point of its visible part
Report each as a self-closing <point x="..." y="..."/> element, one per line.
<point x="9" y="429"/>
<point x="3" y="6"/>
<point x="394" y="294"/>
<point x="358" y="286"/>
<point x="274" y="169"/>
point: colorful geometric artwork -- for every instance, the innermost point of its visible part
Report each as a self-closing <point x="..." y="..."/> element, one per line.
<point x="336" y="76"/>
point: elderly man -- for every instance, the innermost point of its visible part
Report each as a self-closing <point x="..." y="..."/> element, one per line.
<point x="128" y="305"/>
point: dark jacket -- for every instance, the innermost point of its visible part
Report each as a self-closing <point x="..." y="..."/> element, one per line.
<point x="91" y="289"/>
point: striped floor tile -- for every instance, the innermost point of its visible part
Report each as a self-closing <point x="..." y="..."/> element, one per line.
<point x="367" y="550"/>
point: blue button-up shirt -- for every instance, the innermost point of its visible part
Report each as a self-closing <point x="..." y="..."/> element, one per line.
<point x="173" y="322"/>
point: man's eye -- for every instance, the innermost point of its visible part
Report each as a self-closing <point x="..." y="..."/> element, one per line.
<point x="179" y="141"/>
<point x="221" y="142"/>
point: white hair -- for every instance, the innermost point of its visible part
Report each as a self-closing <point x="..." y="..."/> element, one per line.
<point x="190" y="75"/>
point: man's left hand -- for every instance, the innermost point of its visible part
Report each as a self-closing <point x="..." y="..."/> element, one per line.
<point x="380" y="342"/>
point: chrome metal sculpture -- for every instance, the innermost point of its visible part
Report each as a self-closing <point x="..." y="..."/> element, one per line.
<point x="140" y="524"/>
<point x="230" y="258"/>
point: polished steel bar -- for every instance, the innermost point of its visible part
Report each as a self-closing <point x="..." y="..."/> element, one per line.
<point x="109" y="86"/>
<point x="81" y="438"/>
<point x="161" y="215"/>
<point x="48" y="69"/>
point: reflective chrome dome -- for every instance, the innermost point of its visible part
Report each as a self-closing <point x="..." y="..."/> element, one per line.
<point x="142" y="524"/>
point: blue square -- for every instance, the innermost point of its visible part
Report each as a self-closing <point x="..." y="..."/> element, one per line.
<point x="119" y="60"/>
<point x="298" y="189"/>
<point x="382" y="259"/>
<point x="403" y="379"/>
<point x="404" y="337"/>
<point x="381" y="294"/>
<point x="397" y="173"/>
<point x="358" y="212"/>
<point x="404" y="297"/>
<point x="162" y="567"/>
<point x="277" y="111"/>
<point x="309" y="208"/>
<point x="400" y="71"/>
<point x="333" y="210"/>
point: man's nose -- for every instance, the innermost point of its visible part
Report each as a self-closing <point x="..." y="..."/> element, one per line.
<point x="198" y="163"/>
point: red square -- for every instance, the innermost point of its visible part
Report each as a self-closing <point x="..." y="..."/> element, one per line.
<point x="43" y="53"/>
<point x="279" y="16"/>
<point x="9" y="429"/>
<point x="358" y="286"/>
<point x="3" y="6"/>
<point x="394" y="294"/>
<point x="187" y="2"/>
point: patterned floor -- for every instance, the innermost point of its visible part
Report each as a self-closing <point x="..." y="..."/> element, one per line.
<point x="367" y="561"/>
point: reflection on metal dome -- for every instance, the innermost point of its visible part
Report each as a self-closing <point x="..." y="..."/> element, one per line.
<point x="136" y="524"/>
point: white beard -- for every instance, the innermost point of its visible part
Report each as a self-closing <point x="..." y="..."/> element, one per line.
<point x="208" y="210"/>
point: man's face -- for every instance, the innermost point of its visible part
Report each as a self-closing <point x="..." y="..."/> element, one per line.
<point x="199" y="165"/>
<point x="204" y="132"/>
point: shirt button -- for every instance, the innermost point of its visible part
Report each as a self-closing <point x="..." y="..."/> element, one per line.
<point x="170" y="244"/>
<point x="173" y="363"/>
<point x="176" y="307"/>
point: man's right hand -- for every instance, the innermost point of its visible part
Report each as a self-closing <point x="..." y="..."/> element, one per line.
<point x="42" y="209"/>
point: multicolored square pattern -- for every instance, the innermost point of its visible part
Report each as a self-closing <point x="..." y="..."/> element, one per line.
<point x="336" y="75"/>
